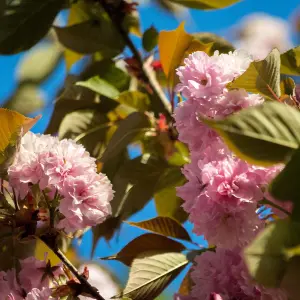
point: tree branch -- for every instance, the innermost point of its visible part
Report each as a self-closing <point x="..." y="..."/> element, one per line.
<point x="86" y="285"/>
<point x="161" y="101"/>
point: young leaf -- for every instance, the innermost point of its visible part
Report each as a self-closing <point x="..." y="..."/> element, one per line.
<point x="100" y="86"/>
<point x="205" y="4"/>
<point x="165" y="226"/>
<point x="25" y="22"/>
<point x="290" y="62"/>
<point x="12" y="124"/>
<point x="144" y="243"/>
<point x="89" y="37"/>
<point x="285" y="186"/>
<point x="264" y="135"/>
<point x="150" y="274"/>
<point x="172" y="46"/>
<point x="150" y="38"/>
<point x="261" y="77"/>
<point x="128" y="129"/>
<point x="134" y="99"/>
<point x="266" y="255"/>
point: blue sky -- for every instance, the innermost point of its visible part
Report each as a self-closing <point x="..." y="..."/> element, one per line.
<point x="220" y="22"/>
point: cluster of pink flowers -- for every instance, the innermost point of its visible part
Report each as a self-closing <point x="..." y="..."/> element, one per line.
<point x="62" y="170"/>
<point x="222" y="192"/>
<point x="32" y="282"/>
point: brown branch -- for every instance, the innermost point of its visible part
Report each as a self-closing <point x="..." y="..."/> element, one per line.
<point x="93" y="292"/>
<point x="161" y="101"/>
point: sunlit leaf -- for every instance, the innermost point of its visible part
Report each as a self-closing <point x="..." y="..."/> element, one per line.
<point x="151" y="272"/>
<point x="206" y="4"/>
<point x="132" y="23"/>
<point x="100" y="86"/>
<point x="165" y="226"/>
<point x="87" y="127"/>
<point x="290" y="62"/>
<point x="150" y="38"/>
<point x="26" y="22"/>
<point x="173" y="46"/>
<point x="39" y="63"/>
<point x="145" y="242"/>
<point x="261" y="77"/>
<point x="12" y="125"/>
<point x="168" y="204"/>
<point x="266" y="255"/>
<point x="264" y="135"/>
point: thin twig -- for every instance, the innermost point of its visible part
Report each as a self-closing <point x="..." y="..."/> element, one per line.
<point x="87" y="286"/>
<point x="163" y="104"/>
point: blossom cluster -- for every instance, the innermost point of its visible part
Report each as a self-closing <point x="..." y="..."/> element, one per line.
<point x="32" y="282"/>
<point x="66" y="175"/>
<point x="222" y="192"/>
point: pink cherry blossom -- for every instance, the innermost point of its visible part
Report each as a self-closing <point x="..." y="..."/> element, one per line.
<point x="204" y="76"/>
<point x="224" y="274"/>
<point x="181" y="297"/>
<point x="37" y="294"/>
<point x="86" y="201"/>
<point x="32" y="274"/>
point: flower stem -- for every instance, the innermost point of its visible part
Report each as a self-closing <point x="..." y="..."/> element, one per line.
<point x="160" y="101"/>
<point x="93" y="292"/>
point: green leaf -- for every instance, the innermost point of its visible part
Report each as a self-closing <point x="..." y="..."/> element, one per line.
<point x="168" y="204"/>
<point x="134" y="99"/>
<point x="150" y="274"/>
<point x="92" y="36"/>
<point x="127" y="130"/>
<point x="165" y="226"/>
<point x="87" y="127"/>
<point x="39" y="63"/>
<point x="264" y="135"/>
<point x="171" y="177"/>
<point x="261" y="77"/>
<point x="266" y="255"/>
<point x="290" y="62"/>
<point x="25" y="23"/>
<point x="27" y="99"/>
<point x="143" y="243"/>
<point x="107" y="70"/>
<point x="205" y="4"/>
<point x="100" y="86"/>
<point x="75" y="98"/>
<point x="219" y="43"/>
<point x="285" y="186"/>
<point x="150" y="39"/>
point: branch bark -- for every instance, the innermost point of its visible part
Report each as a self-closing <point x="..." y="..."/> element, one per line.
<point x="86" y="285"/>
<point x="161" y="101"/>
